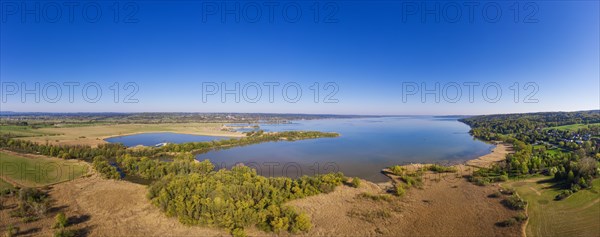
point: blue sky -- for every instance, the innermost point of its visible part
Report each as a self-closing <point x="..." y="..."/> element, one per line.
<point x="367" y="52"/>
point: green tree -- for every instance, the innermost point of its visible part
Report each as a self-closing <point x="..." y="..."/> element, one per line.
<point x="571" y="176"/>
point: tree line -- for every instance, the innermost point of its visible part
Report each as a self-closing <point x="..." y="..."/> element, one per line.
<point x="570" y="156"/>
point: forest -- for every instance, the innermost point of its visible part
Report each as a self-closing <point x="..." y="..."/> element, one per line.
<point x="571" y="156"/>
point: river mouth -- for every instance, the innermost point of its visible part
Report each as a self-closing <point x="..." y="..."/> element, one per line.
<point x="364" y="148"/>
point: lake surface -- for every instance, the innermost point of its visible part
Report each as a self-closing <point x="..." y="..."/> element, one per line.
<point x="151" y="139"/>
<point x="366" y="146"/>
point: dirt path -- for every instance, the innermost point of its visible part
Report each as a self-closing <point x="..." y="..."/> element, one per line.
<point x="535" y="191"/>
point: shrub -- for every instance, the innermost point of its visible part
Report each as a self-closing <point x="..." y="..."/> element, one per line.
<point x="397" y="170"/>
<point x="515" y="202"/>
<point x="399" y="190"/>
<point x="563" y="194"/>
<point x="508" y="222"/>
<point x="442" y="169"/>
<point x="238" y="232"/>
<point x="60" y="221"/>
<point x="356" y="182"/>
<point x="301" y="224"/>
<point x="521" y="217"/>
<point x="375" y="197"/>
<point x="369" y="215"/>
<point x="513" y="220"/>
<point x="508" y="191"/>
<point x="495" y="195"/>
<point x="575" y="188"/>
<point x="64" y="233"/>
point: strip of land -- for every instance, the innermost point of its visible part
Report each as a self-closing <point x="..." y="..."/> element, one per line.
<point x="94" y="135"/>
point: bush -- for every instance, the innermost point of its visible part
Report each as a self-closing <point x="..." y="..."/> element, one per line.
<point x="376" y="197"/>
<point x="399" y="190"/>
<point x="508" y="191"/>
<point x="521" y="217"/>
<point x="60" y="221"/>
<point x="513" y="220"/>
<point x="575" y="188"/>
<point x="563" y="194"/>
<point x="508" y="222"/>
<point x="64" y="233"/>
<point x="442" y="169"/>
<point x="356" y="182"/>
<point x="515" y="202"/>
<point x="397" y="170"/>
<point x="495" y="195"/>
<point x="301" y="223"/>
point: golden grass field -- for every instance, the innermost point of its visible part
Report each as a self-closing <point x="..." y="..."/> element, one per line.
<point x="95" y="134"/>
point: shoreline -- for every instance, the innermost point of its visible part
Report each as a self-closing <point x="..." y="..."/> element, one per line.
<point x="497" y="154"/>
<point x="233" y="135"/>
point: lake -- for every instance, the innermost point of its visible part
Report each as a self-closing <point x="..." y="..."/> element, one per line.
<point x="364" y="148"/>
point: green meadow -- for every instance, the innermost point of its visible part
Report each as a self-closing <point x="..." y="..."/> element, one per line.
<point x="573" y="127"/>
<point x="34" y="172"/>
<point x="577" y="215"/>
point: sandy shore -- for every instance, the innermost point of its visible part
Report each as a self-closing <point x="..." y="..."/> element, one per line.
<point x="498" y="154"/>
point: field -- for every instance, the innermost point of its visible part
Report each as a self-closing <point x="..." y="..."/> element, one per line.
<point x="23" y="131"/>
<point x="578" y="215"/>
<point x="447" y="205"/>
<point x="35" y="171"/>
<point x="94" y="135"/>
<point x="573" y="127"/>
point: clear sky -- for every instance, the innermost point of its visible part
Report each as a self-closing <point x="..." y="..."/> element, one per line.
<point x="367" y="57"/>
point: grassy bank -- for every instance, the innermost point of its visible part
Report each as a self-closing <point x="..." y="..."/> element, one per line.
<point x="577" y="215"/>
<point x="38" y="171"/>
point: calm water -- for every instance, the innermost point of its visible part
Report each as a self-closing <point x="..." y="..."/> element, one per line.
<point x="151" y="139"/>
<point x="366" y="146"/>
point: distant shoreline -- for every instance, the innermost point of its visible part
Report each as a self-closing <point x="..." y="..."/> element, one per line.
<point x="237" y="135"/>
